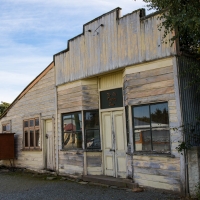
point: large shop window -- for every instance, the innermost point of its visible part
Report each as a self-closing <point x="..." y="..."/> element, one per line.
<point x="72" y="131"/>
<point x="151" y="128"/>
<point x="31" y="134"/>
<point x="92" y="131"/>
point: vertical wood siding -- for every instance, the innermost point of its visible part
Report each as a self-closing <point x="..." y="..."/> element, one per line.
<point x="38" y="101"/>
<point x="120" y="42"/>
<point x="114" y="80"/>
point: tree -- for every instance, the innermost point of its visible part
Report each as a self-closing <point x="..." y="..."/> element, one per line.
<point x="3" y="106"/>
<point x="183" y="16"/>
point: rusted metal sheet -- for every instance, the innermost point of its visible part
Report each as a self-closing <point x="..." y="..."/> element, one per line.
<point x="7" y="146"/>
<point x="111" y="42"/>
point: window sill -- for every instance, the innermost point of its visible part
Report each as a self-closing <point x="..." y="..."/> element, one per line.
<point x="92" y="150"/>
<point x="31" y="149"/>
<point x="155" y="154"/>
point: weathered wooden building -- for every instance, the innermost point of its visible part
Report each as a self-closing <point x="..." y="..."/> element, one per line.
<point x="31" y="117"/>
<point x="117" y="84"/>
<point x="106" y="105"/>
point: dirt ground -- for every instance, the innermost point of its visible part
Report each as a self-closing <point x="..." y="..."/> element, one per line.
<point x="22" y="184"/>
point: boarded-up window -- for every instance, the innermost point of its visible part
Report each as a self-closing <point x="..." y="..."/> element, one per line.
<point x="151" y="128"/>
<point x="31" y="133"/>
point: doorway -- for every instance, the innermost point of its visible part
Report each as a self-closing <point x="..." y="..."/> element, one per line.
<point x="49" y="144"/>
<point x="114" y="143"/>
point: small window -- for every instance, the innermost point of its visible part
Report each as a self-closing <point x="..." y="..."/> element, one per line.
<point x="92" y="130"/>
<point x="31" y="133"/>
<point x="72" y="131"/>
<point x="151" y="128"/>
<point x="6" y="128"/>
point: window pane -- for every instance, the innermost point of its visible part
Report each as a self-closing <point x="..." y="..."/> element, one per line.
<point x="32" y="122"/>
<point x="37" y="122"/>
<point x="77" y="121"/>
<point x="143" y="140"/>
<point x="8" y="127"/>
<point x="159" y="115"/>
<point x="141" y="116"/>
<point x="73" y="140"/>
<point x="37" y="138"/>
<point x="25" y="123"/>
<point x="92" y="119"/>
<point x="31" y="138"/>
<point x="67" y="125"/>
<point x="93" y="139"/>
<point x="4" y="127"/>
<point x="160" y="140"/>
<point x="26" y="138"/>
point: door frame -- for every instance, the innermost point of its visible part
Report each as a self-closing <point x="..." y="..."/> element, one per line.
<point x="101" y="133"/>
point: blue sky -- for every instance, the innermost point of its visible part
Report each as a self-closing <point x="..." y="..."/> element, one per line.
<point x="32" y="31"/>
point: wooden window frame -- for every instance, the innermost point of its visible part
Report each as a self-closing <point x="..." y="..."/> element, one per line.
<point x="150" y="128"/>
<point x="85" y="130"/>
<point x="62" y="116"/>
<point x="6" y="131"/>
<point x="28" y="129"/>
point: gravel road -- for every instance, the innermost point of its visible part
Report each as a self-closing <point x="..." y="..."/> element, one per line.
<point x="22" y="185"/>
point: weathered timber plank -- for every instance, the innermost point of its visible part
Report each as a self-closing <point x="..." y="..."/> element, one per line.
<point x="151" y="99"/>
<point x="149" y="73"/>
<point x="90" y="87"/>
<point x="70" y="90"/>
<point x="159" y="172"/>
<point x="94" y="161"/>
<point x="143" y="81"/>
<point x="69" y="105"/>
<point x="156" y="158"/>
<point x="138" y="88"/>
<point x="152" y="92"/>
<point x="157" y="165"/>
<point x="156" y="178"/>
<point x="158" y="185"/>
<point x="71" y="162"/>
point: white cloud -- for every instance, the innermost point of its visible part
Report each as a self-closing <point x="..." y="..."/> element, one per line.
<point x="32" y="31"/>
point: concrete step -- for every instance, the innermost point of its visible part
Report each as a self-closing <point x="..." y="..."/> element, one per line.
<point x="112" y="181"/>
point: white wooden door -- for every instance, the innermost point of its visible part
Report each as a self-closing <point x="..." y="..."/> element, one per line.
<point x="114" y="143"/>
<point x="49" y="144"/>
<point x="108" y="144"/>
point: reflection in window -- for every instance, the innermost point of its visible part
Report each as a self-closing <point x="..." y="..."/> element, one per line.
<point x="143" y="140"/>
<point x="92" y="132"/>
<point x="141" y="116"/>
<point x="72" y="131"/>
<point x="151" y="127"/>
